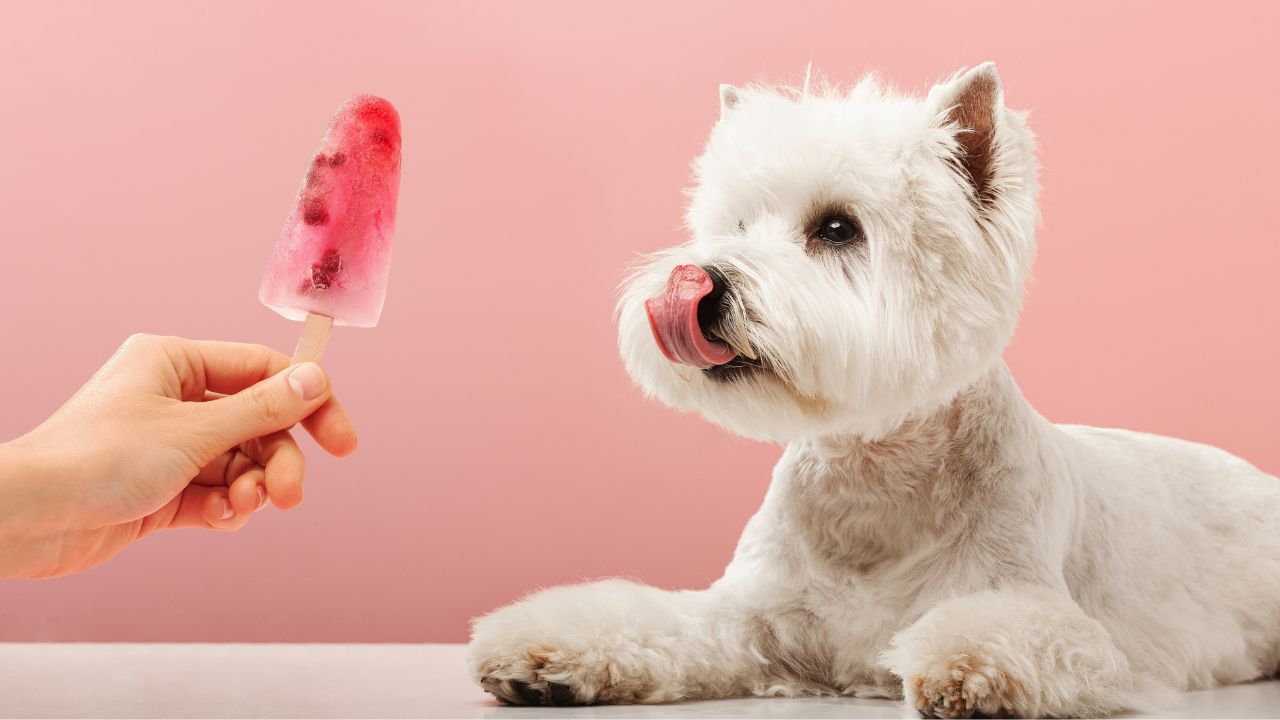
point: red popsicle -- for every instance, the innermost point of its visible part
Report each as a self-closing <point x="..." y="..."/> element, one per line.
<point x="331" y="263"/>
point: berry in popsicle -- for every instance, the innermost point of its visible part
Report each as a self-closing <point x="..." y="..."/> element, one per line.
<point x="331" y="263"/>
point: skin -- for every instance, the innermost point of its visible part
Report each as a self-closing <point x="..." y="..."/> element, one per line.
<point x="169" y="433"/>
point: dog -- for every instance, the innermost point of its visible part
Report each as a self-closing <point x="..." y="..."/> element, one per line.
<point x="856" y="268"/>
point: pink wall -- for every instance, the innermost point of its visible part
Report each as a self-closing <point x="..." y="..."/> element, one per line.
<point x="149" y="152"/>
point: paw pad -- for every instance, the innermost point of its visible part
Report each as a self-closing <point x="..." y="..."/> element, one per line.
<point x="964" y="687"/>
<point x="534" y="691"/>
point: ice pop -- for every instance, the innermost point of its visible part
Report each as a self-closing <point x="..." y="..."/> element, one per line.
<point x="331" y="263"/>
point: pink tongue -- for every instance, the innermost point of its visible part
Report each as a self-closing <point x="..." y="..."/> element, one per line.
<point x="673" y="317"/>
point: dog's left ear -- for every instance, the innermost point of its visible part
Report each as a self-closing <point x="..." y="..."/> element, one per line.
<point x="729" y="97"/>
<point x="972" y="105"/>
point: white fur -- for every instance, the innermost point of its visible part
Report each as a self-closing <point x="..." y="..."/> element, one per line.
<point x="927" y="534"/>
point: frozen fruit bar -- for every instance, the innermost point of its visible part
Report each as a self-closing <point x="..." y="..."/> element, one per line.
<point x="334" y="254"/>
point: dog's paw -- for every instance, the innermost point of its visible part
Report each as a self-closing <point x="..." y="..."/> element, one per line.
<point x="607" y="642"/>
<point x="964" y="686"/>
<point x="541" y="676"/>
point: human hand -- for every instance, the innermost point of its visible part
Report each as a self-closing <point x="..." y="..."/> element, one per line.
<point x="169" y="433"/>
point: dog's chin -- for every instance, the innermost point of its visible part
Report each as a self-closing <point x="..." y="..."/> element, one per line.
<point x="739" y="369"/>
<point x="747" y="397"/>
<point x="750" y="399"/>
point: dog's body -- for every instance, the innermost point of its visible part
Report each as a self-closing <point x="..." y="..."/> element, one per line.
<point x="927" y="534"/>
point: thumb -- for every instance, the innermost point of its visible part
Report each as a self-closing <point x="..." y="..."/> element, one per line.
<point x="276" y="403"/>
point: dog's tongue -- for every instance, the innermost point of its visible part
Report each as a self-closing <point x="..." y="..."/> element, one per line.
<point x="673" y="317"/>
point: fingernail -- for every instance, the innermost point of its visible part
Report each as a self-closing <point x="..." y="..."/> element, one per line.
<point x="227" y="512"/>
<point x="262" y="497"/>
<point x="307" y="381"/>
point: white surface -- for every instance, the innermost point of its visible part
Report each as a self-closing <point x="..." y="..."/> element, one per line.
<point x="325" y="681"/>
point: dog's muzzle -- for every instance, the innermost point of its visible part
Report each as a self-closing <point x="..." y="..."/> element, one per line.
<point x="681" y="315"/>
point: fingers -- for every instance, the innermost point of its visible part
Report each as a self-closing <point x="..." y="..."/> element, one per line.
<point x="229" y="367"/>
<point x="332" y="429"/>
<point x="265" y="469"/>
<point x="283" y="466"/>
<point x="329" y="426"/>
<point x="223" y="504"/>
<point x="200" y="507"/>
<point x="268" y="406"/>
<point x="207" y="369"/>
<point x="184" y="369"/>
<point x="215" y="472"/>
<point x="245" y="487"/>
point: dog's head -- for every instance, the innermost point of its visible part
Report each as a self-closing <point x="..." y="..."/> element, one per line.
<point x="856" y="258"/>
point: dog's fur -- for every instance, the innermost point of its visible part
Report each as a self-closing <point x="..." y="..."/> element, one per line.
<point x="927" y="534"/>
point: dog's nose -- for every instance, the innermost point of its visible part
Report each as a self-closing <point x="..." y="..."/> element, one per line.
<point x="711" y="307"/>
<point x="682" y="315"/>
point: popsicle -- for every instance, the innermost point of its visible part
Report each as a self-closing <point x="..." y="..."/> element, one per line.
<point x="331" y="263"/>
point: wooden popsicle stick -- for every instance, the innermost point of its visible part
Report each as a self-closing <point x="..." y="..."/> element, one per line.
<point x="315" y="335"/>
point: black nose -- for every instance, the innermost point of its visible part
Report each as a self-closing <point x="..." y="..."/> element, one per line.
<point x="711" y="307"/>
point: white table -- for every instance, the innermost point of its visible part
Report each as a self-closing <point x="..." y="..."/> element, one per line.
<point x="325" y="681"/>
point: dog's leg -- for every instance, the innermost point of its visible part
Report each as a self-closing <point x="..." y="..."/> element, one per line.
<point x="1021" y="653"/>
<point x="607" y="642"/>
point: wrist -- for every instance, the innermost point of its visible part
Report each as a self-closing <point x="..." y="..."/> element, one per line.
<point x="33" y="511"/>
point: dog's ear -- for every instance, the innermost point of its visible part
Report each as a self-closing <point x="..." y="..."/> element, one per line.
<point x="972" y="105"/>
<point x="729" y="97"/>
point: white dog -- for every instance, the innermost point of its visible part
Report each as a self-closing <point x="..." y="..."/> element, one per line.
<point x="856" y="269"/>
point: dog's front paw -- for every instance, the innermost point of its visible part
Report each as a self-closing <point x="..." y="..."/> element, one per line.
<point x="540" y="676"/>
<point x="607" y="642"/>
<point x="1020" y="653"/>
<point x="964" y="686"/>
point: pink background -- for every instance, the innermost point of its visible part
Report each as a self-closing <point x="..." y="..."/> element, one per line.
<point x="150" y="152"/>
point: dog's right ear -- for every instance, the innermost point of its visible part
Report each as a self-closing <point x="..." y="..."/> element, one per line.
<point x="972" y="104"/>
<point x="729" y="97"/>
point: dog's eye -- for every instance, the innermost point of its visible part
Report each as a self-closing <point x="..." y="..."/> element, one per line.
<point x="838" y="229"/>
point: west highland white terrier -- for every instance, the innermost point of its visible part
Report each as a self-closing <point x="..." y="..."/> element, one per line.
<point x="855" y="270"/>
